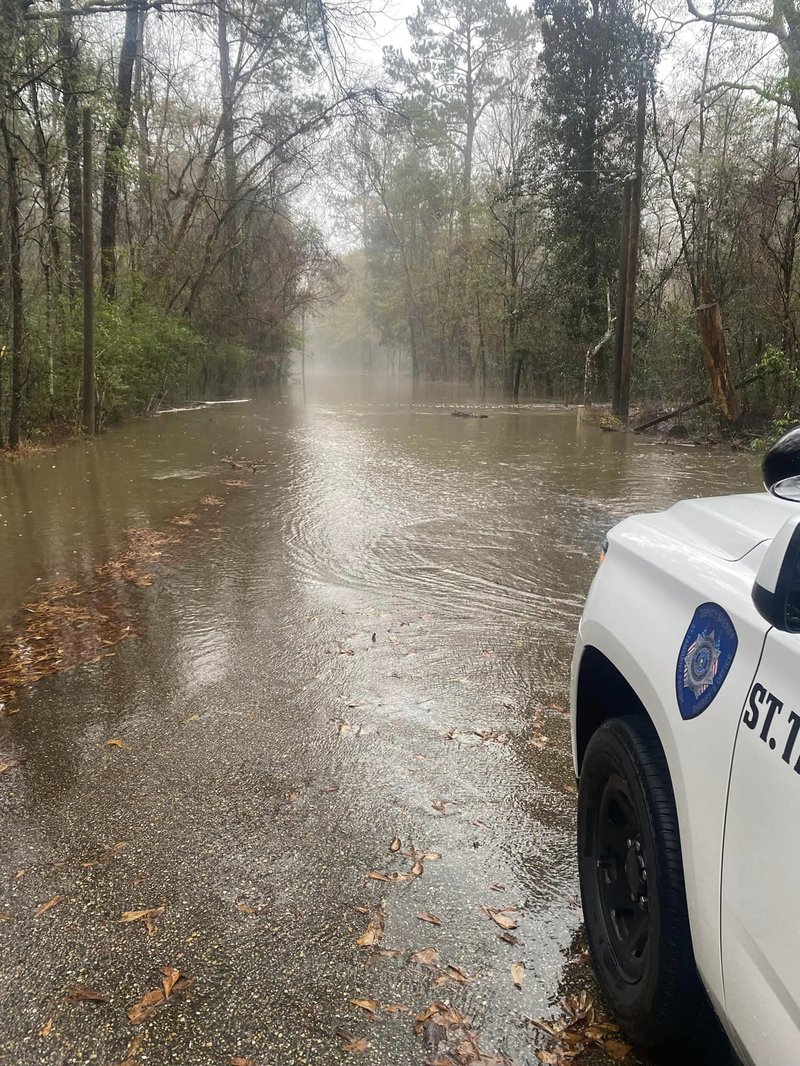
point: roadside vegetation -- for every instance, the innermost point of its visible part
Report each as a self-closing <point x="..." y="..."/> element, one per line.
<point x="454" y="211"/>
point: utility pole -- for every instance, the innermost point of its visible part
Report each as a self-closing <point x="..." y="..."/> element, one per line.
<point x="88" y="278"/>
<point x="633" y="252"/>
<point x="621" y="287"/>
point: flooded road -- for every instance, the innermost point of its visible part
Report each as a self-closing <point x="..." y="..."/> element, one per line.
<point x="364" y="639"/>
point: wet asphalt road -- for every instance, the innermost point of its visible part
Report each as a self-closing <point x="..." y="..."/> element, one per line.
<point x="316" y="657"/>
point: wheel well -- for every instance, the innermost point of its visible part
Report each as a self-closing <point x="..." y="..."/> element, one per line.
<point x="602" y="693"/>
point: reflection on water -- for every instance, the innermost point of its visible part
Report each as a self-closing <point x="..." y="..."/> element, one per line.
<point x="416" y="574"/>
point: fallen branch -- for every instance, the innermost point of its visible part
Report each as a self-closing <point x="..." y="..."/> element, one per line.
<point x="696" y="404"/>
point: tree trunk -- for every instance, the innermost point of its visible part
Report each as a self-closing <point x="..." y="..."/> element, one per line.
<point x="712" y="335"/>
<point x="15" y="271"/>
<point x="228" y="150"/>
<point x="67" y="54"/>
<point x="113" y="164"/>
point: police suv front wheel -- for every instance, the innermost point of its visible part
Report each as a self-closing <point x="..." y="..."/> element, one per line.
<point x="631" y="873"/>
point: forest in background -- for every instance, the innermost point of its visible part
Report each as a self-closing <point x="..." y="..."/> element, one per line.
<point x="455" y="213"/>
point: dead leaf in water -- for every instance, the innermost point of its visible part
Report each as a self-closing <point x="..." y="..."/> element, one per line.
<point x="500" y="916"/>
<point x="518" y="973"/>
<point x="11" y="764"/>
<point x="45" y="907"/>
<point x="84" y="994"/>
<point x="373" y="934"/>
<point x="426" y="916"/>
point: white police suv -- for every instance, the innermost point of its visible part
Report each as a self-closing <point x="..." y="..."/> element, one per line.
<point x="686" y="739"/>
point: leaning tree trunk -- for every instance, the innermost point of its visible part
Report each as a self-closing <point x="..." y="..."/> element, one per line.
<point x="113" y="163"/>
<point x="712" y="336"/>
<point x="15" y="271"/>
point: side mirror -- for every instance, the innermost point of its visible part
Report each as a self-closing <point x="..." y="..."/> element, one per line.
<point x="776" y="592"/>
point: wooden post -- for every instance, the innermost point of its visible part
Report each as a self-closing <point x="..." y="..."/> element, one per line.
<point x="633" y="253"/>
<point x="89" y="423"/>
<point x="621" y="291"/>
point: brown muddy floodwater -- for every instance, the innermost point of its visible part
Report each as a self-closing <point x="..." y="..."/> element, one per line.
<point x="366" y="638"/>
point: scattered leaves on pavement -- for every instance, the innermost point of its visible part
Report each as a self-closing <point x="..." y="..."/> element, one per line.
<point x="426" y="916"/>
<point x="442" y="805"/>
<point x="172" y="981"/>
<point x="396" y="844"/>
<point x="487" y="736"/>
<point x="454" y="973"/>
<point x="115" y="742"/>
<point x="500" y="916"/>
<point x="373" y="934"/>
<point x="45" y="907"/>
<point x="84" y="994"/>
<point x="580" y="1027"/>
<point x="509" y="938"/>
<point x="518" y="973"/>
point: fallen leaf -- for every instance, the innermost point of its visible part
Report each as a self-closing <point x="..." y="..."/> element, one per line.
<point x="390" y="953"/>
<point x="538" y="741"/>
<point x="373" y="934"/>
<point x="441" y="805"/>
<point x="84" y="994"/>
<point x="170" y="976"/>
<point x="9" y="764"/>
<point x="426" y="916"/>
<point x="145" y="1008"/>
<point x="6" y="917"/>
<point x="396" y="844"/>
<point x="352" y="1044"/>
<point x="500" y="916"/>
<point x="47" y="1028"/>
<point x="518" y="973"/>
<point x="616" y="1049"/>
<point x="368" y="1005"/>
<point x="487" y="735"/>
<point x="425" y="957"/>
<point x="393" y="876"/>
<point x="442" y="1014"/>
<point x="108" y="855"/>
<point x="45" y="907"/>
<point x="115" y="742"/>
<point x="147" y="916"/>
<point x="396" y="1008"/>
<point x="237" y="1060"/>
<point x="509" y="938"/>
<point x="134" y="1048"/>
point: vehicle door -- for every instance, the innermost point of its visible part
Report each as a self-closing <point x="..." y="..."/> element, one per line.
<point x="761" y="860"/>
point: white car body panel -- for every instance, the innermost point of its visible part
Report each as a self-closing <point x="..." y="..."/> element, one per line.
<point x="659" y="569"/>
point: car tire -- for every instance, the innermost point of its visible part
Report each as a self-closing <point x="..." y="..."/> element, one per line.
<point x="632" y="886"/>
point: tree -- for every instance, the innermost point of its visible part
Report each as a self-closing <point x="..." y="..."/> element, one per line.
<point x="590" y="64"/>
